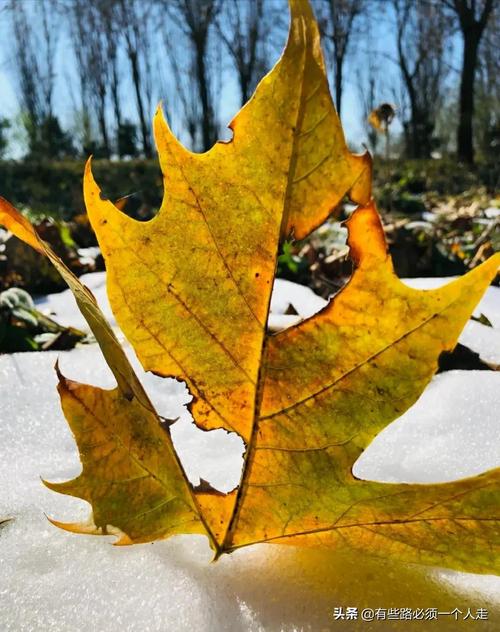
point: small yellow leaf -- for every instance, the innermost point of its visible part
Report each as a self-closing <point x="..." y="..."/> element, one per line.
<point x="381" y="117"/>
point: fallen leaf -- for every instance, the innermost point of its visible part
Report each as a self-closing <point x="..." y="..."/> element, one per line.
<point x="382" y="116"/>
<point x="191" y="290"/>
<point x="482" y="319"/>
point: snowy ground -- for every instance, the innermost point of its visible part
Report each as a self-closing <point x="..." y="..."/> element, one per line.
<point x="52" y="580"/>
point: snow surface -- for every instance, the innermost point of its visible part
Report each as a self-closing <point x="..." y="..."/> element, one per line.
<point x="55" y="581"/>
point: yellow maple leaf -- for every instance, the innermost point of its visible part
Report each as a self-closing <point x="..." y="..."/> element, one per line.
<point x="191" y="291"/>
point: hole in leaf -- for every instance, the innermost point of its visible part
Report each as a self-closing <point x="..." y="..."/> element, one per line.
<point x="319" y="264"/>
<point x="320" y="261"/>
<point x="215" y="456"/>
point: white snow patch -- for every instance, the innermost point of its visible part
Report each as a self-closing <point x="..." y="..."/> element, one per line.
<point x="285" y="294"/>
<point x="451" y="432"/>
<point x="303" y="299"/>
<point x="483" y="340"/>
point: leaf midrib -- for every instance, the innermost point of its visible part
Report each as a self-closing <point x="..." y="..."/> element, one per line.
<point x="228" y="535"/>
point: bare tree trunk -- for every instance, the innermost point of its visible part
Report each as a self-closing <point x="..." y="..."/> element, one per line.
<point x="208" y="127"/>
<point x="472" y="26"/>
<point x="135" y="26"/>
<point x="487" y="92"/>
<point x="114" y="87"/>
<point x="34" y="62"/>
<point x="337" y="19"/>
<point x="115" y="94"/>
<point x="146" y="144"/>
<point x="49" y="29"/>
<point x="243" y="30"/>
<point x="103" y="126"/>
<point x="465" y="146"/>
<point x="196" y="19"/>
<point x="89" y="34"/>
<point x="420" y="39"/>
<point x="339" y="63"/>
<point x="111" y="40"/>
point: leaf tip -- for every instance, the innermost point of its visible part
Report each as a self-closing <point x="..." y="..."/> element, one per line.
<point x="18" y="225"/>
<point x="361" y="190"/>
<point x="88" y="175"/>
<point x="60" y="376"/>
<point x="88" y="528"/>
<point x="159" y="110"/>
<point x="161" y="131"/>
<point x="65" y="385"/>
<point x="90" y="186"/>
<point x="60" y="488"/>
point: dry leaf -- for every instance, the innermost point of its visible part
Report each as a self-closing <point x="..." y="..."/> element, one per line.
<point x="382" y="116"/>
<point x="191" y="291"/>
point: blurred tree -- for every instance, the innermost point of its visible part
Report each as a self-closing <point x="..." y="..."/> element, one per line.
<point x="79" y="35"/>
<point x="338" y="20"/>
<point x="36" y="28"/>
<point x="380" y="118"/>
<point x="90" y="45"/>
<point x="369" y="104"/>
<point x="446" y="120"/>
<point x="243" y="28"/>
<point x="111" y="36"/>
<point x="4" y="142"/>
<point x="50" y="140"/>
<point x="196" y="19"/>
<point x="369" y="88"/>
<point x="487" y="106"/>
<point x="472" y="16"/>
<point x="135" y="22"/>
<point x="127" y="139"/>
<point x="422" y="30"/>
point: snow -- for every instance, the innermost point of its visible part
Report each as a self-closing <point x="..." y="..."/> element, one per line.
<point x="480" y="338"/>
<point x="54" y="581"/>
<point x="63" y="308"/>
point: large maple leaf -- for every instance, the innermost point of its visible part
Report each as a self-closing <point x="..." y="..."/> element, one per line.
<point x="191" y="291"/>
